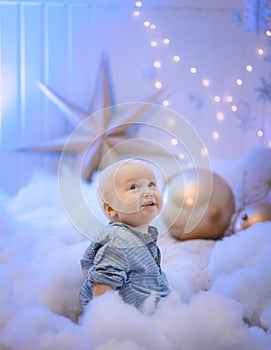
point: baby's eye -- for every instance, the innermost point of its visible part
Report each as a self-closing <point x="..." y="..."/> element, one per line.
<point x="152" y="184"/>
<point x="133" y="187"/>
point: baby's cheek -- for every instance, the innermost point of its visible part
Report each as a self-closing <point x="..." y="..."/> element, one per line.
<point x="129" y="206"/>
<point x="159" y="201"/>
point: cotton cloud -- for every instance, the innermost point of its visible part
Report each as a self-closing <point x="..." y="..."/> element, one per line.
<point x="221" y="296"/>
<point x="241" y="264"/>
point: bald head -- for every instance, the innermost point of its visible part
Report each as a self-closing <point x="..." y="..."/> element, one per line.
<point x="107" y="178"/>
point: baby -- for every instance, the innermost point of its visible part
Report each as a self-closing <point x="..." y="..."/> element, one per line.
<point x="124" y="256"/>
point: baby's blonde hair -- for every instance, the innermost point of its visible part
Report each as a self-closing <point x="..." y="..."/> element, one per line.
<point x="106" y="177"/>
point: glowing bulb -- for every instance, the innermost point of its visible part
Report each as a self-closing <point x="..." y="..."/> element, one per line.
<point x="204" y="152"/>
<point x="171" y="121"/>
<point x="193" y="70"/>
<point x="268" y="33"/>
<point x="269" y="144"/>
<point x="260" y="133"/>
<point x="239" y="82"/>
<point x="234" y="108"/>
<point x="166" y="41"/>
<point x="152" y="26"/>
<point x="165" y="103"/>
<point x="157" y="64"/>
<point x="153" y="43"/>
<point x="215" y="135"/>
<point x="158" y="84"/>
<point x="174" y="142"/>
<point x="136" y="13"/>
<point x="181" y="156"/>
<point x="205" y="82"/>
<point x="219" y="116"/>
<point x="147" y="23"/>
<point x="260" y="52"/>
<point x="176" y="58"/>
<point x="249" y="68"/>
<point x="229" y="98"/>
<point x="138" y="3"/>
<point x="217" y="98"/>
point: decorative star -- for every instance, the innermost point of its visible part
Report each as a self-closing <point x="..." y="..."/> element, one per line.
<point x="264" y="91"/>
<point x="244" y="117"/>
<point x="196" y="100"/>
<point x="254" y="17"/>
<point x="97" y="134"/>
<point x="149" y="72"/>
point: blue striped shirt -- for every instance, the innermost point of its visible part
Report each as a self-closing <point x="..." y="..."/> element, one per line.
<point x="126" y="259"/>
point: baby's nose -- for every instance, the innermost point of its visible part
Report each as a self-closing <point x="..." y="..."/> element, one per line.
<point x="147" y="192"/>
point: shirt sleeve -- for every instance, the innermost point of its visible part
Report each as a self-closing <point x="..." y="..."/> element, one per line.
<point x="110" y="266"/>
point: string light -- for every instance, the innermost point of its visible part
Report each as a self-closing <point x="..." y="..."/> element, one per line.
<point x="260" y="133"/>
<point x="181" y="156"/>
<point x="157" y="64"/>
<point x="171" y="121"/>
<point x="219" y="116"/>
<point x="147" y="23"/>
<point x="229" y="98"/>
<point x="204" y="152"/>
<point x="136" y="13"/>
<point x="153" y="43"/>
<point x="193" y="70"/>
<point x="138" y="3"/>
<point x="215" y="135"/>
<point x="174" y="142"/>
<point x="176" y="58"/>
<point x="205" y="82"/>
<point x="158" y="84"/>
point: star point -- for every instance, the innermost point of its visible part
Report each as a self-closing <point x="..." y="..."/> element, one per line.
<point x="97" y="133"/>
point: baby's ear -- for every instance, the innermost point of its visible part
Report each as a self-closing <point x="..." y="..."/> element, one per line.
<point x="109" y="211"/>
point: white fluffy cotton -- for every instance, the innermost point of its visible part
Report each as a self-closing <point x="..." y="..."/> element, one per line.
<point x="221" y="296"/>
<point x="241" y="265"/>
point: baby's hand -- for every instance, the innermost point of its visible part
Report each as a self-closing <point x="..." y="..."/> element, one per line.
<point x="100" y="288"/>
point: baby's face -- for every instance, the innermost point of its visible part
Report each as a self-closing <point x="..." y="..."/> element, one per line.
<point x="134" y="195"/>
